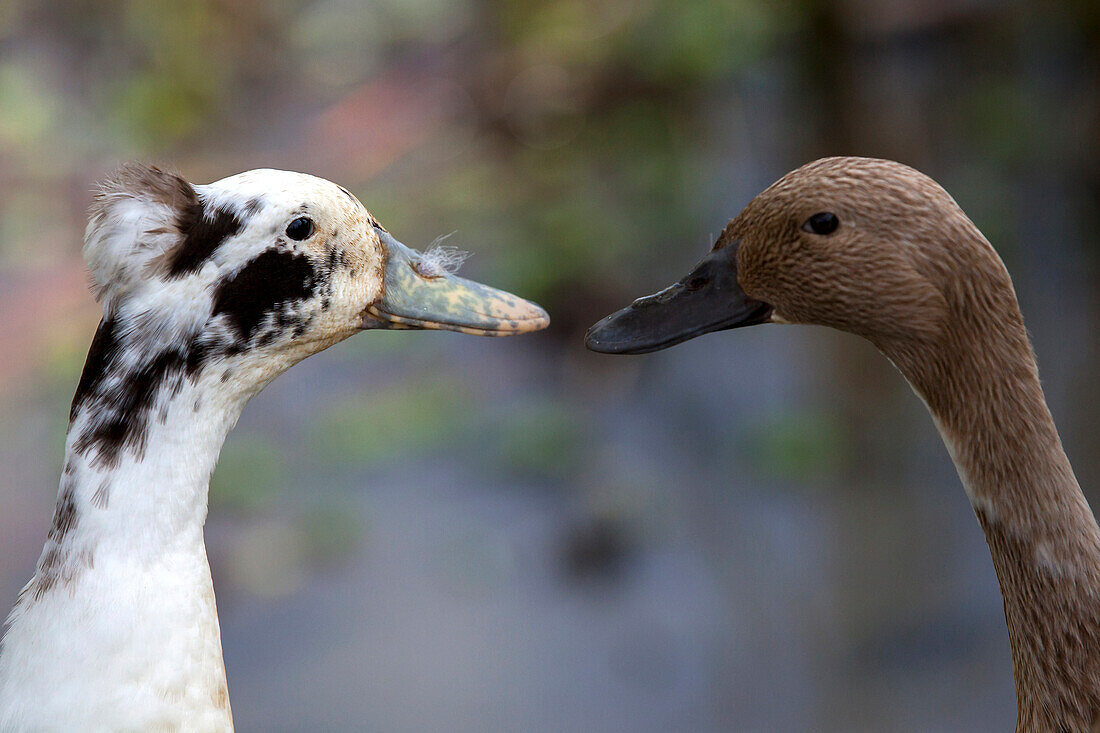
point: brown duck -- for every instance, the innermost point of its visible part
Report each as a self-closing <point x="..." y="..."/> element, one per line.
<point x="878" y="249"/>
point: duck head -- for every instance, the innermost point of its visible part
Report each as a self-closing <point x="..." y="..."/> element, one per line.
<point x="266" y="267"/>
<point x="867" y="246"/>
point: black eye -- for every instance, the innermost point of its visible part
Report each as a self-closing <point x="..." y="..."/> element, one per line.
<point x="300" y="228"/>
<point x="823" y="223"/>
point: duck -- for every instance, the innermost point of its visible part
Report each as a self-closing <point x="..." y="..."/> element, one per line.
<point x="875" y="248"/>
<point x="208" y="292"/>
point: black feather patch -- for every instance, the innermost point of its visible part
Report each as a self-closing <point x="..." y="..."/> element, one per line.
<point x="120" y="408"/>
<point x="64" y="516"/>
<point x="203" y="232"/>
<point x="104" y="349"/>
<point x="272" y="280"/>
<point x="120" y="414"/>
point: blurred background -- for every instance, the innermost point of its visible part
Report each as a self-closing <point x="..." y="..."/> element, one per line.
<point x="753" y="531"/>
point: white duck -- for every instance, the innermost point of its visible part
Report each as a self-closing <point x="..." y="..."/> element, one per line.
<point x="208" y="293"/>
<point x="875" y="248"/>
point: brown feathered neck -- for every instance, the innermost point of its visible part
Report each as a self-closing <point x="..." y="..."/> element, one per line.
<point x="980" y="381"/>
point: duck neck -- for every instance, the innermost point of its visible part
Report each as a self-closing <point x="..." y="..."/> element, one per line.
<point x="983" y="391"/>
<point x="122" y="591"/>
<point x="147" y="498"/>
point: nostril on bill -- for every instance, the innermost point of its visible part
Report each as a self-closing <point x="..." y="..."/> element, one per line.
<point x="696" y="283"/>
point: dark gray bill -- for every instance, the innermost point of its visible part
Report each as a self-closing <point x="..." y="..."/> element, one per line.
<point x="416" y="297"/>
<point x="708" y="299"/>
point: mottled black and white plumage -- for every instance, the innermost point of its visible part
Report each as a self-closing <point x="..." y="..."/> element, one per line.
<point x="208" y="293"/>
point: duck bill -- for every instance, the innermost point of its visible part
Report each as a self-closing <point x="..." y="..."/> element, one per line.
<point x="415" y="297"/>
<point x="708" y="299"/>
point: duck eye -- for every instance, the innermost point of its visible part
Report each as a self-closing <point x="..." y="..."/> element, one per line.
<point x="300" y="228"/>
<point x="823" y="223"/>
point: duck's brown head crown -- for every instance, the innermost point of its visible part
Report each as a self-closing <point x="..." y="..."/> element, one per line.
<point x="868" y="246"/>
